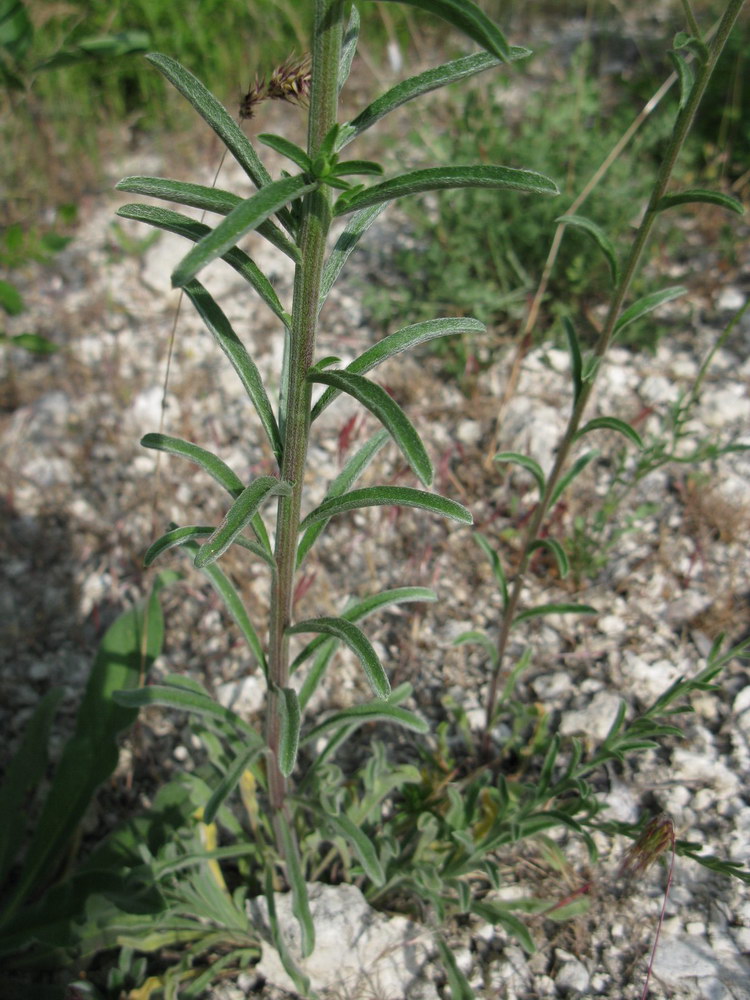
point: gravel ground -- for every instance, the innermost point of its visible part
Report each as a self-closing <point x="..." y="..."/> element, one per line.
<point x="81" y="501"/>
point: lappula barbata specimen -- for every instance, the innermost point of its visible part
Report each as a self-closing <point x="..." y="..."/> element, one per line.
<point x="295" y="212"/>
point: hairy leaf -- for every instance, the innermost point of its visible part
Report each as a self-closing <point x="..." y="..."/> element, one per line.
<point x="469" y="19"/>
<point x="384" y="496"/>
<point x="239" y="516"/>
<point x="598" y="235"/>
<point x="357" y="641"/>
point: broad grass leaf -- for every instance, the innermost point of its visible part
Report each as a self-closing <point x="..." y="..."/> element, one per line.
<point x="442" y="178"/>
<point x="598" y="235"/>
<point x="239" y="516"/>
<point x="243" y="219"/>
<point x="423" y="83"/>
<point x="222" y="332"/>
<point x="385" y="496"/>
<point x="647" y="304"/>
<point x="388" y="412"/>
<point x="396" y="343"/>
<point x="468" y="19"/>
<point x="357" y="641"/>
<point x="181" y="225"/>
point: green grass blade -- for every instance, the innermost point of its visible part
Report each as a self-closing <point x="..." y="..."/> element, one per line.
<point x="345" y="479"/>
<point x="443" y="178"/>
<point x="458" y="984"/>
<point x="402" y="340"/>
<point x="239" y="516"/>
<point x="469" y="19"/>
<point x="222" y="332"/>
<point x="385" y="496"/>
<point x="423" y="83"/>
<point x="647" y="304"/>
<point x="388" y="412"/>
<point x="243" y="219"/>
<point x="357" y="641"/>
<point x="181" y="225"/>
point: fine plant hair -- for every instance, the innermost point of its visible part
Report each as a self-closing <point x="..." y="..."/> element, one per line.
<point x="396" y="832"/>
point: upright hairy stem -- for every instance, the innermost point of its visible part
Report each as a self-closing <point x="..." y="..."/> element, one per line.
<point x="315" y="222"/>
<point x="680" y="132"/>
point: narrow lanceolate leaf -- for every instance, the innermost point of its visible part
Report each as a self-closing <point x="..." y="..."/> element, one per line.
<point x="213" y="465"/>
<point x="221" y="329"/>
<point x="423" y="83"/>
<point x="360" y="715"/>
<point x="229" y="782"/>
<point x="344" y="245"/>
<point x="348" y="47"/>
<point x="363" y="846"/>
<point x="385" y="496"/>
<point x="598" y="235"/>
<point x="290" y="720"/>
<point x="288" y="149"/>
<point x="300" y="901"/>
<point x="239" y="516"/>
<point x="647" y="304"/>
<point x="442" y="178"/>
<point x="388" y="412"/>
<point x="194" y="532"/>
<point x="553" y="546"/>
<point x="573" y="472"/>
<point x="348" y="475"/>
<point x="554" y="609"/>
<point x="357" y="641"/>
<point x="495" y="562"/>
<point x="208" y="199"/>
<point x="612" y="424"/>
<point x="685" y="76"/>
<point x="694" y="196"/>
<point x="174" y="222"/>
<point x="368" y="606"/>
<point x="246" y="217"/>
<point x="469" y="19"/>
<point x="214" y="114"/>
<point x="530" y="464"/>
<point x="234" y="605"/>
<point x="475" y="637"/>
<point x="576" y="360"/>
<point x="460" y="988"/>
<point x="402" y="340"/>
<point x="188" y="701"/>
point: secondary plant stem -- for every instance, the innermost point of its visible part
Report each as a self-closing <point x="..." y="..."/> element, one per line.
<point x="679" y="134"/>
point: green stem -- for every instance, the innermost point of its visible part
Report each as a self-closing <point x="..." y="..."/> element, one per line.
<point x="680" y="131"/>
<point x="315" y="222"/>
